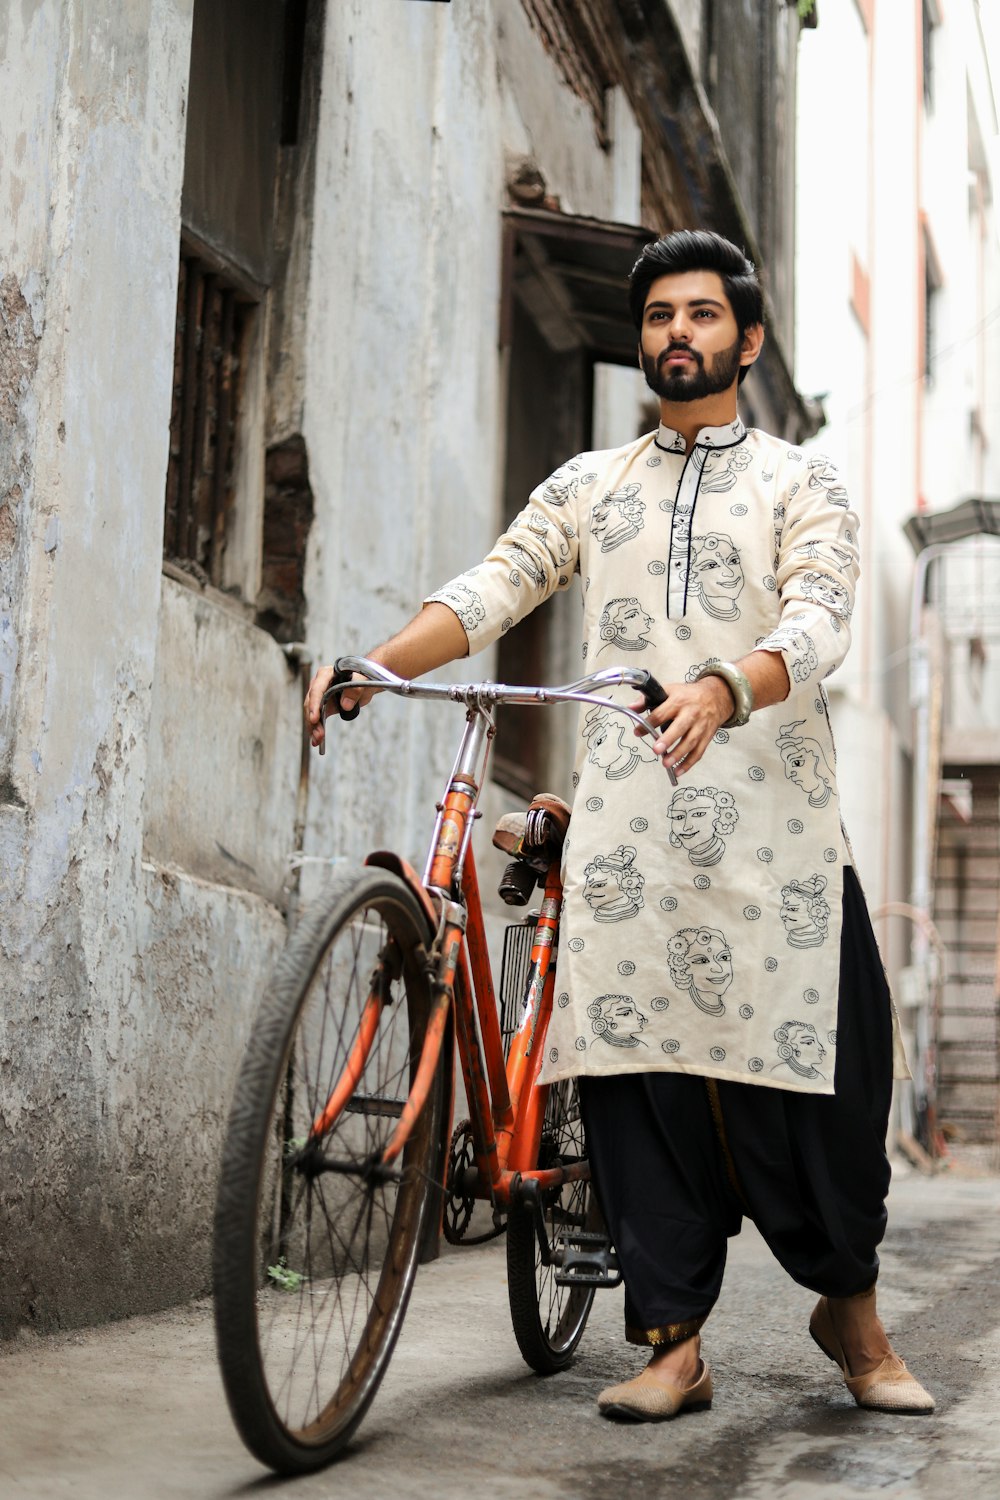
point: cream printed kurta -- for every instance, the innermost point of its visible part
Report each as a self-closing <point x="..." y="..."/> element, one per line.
<point x="701" y="926"/>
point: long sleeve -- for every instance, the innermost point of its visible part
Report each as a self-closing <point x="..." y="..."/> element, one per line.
<point x="816" y="569"/>
<point x="537" y="555"/>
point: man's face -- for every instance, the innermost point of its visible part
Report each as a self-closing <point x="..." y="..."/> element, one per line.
<point x="689" y="342"/>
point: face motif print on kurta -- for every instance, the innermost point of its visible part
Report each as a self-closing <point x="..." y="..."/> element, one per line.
<point x="805" y="912"/>
<point x="715" y="575"/>
<point x="625" y="625"/>
<point x="806" y="765"/>
<point x="564" y="484"/>
<point x="704" y="564"/>
<point x="612" y="745"/>
<point x="701" y="818"/>
<point x="618" y="517"/>
<point x="701" y="964"/>
<point x="613" y="886"/>
<point x="617" y="1021"/>
<point x="799" y="1049"/>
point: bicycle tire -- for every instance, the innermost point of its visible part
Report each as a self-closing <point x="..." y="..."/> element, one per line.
<point x="548" y="1319"/>
<point x="312" y="1270"/>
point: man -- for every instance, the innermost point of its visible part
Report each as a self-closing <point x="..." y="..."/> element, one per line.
<point x="706" y="1116"/>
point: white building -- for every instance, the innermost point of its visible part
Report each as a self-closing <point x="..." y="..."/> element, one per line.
<point x="899" y="328"/>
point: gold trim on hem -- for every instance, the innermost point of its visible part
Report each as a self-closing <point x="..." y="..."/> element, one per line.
<point x="669" y="1333"/>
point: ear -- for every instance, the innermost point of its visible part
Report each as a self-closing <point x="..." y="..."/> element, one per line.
<point x="751" y="344"/>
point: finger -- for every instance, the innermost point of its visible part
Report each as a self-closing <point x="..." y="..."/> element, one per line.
<point x="687" y="752"/>
<point x="314" y="697"/>
<point x="655" y="716"/>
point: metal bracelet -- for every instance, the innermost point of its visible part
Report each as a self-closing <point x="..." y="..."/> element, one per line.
<point x="738" y="684"/>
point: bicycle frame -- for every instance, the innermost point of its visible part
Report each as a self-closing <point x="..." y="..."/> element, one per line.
<point x="506" y="1102"/>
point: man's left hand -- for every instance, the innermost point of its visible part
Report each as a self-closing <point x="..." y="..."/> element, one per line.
<point x="689" y="718"/>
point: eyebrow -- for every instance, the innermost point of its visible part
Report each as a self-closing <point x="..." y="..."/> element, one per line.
<point x="694" y="302"/>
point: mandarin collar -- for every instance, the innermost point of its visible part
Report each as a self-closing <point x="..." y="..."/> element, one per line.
<point x="726" y="436"/>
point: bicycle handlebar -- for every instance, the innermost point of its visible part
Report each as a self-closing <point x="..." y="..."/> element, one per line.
<point x="484" y="696"/>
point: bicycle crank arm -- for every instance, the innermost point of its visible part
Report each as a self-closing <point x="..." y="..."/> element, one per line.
<point x="581" y="1257"/>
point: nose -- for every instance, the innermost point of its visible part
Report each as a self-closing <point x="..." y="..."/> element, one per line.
<point x="680" y="327"/>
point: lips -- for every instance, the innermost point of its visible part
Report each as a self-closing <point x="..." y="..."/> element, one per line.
<point x="679" y="356"/>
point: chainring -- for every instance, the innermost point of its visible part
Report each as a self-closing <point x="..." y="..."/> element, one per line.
<point x="458" y="1206"/>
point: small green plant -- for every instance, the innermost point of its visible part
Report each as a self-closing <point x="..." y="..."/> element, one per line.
<point x="284" y="1278"/>
<point x="806" y="8"/>
<point x="295" y="1145"/>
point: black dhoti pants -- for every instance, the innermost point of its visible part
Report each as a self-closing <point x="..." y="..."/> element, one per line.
<point x="678" y="1160"/>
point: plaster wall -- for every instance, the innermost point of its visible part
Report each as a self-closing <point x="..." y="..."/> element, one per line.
<point x="224" y="740"/>
<point x="88" y="212"/>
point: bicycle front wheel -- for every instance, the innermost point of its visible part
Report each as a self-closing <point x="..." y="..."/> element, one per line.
<point x="316" y="1245"/>
<point x="549" y="1319"/>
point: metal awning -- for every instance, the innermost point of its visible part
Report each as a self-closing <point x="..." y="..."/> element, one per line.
<point x="571" y="273"/>
<point x="973" y="517"/>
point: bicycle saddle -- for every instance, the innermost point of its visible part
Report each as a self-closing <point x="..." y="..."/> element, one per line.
<point x="535" y="836"/>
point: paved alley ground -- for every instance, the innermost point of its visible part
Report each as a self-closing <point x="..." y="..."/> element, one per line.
<point x="135" y="1410"/>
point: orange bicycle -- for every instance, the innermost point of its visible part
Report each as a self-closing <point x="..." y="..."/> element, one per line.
<point x="340" y="1167"/>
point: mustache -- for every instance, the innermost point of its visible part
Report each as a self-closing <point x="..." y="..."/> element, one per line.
<point x="680" y="349"/>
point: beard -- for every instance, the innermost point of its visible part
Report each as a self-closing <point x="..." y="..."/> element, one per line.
<point x="696" y="384"/>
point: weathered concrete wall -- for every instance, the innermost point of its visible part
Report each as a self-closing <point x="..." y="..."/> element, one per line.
<point x="93" y="102"/>
<point x="224" y="740"/>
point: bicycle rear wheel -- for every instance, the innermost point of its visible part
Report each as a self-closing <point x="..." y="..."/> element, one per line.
<point x="549" y="1319"/>
<point x="315" y="1249"/>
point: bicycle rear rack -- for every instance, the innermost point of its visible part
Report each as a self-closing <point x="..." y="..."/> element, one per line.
<point x="582" y="1257"/>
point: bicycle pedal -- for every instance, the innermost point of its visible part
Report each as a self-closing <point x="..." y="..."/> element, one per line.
<point x="586" y="1258"/>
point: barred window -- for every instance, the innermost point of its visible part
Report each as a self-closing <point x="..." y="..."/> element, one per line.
<point x="212" y="321"/>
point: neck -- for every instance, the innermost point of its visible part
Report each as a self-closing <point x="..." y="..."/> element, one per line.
<point x="689" y="417"/>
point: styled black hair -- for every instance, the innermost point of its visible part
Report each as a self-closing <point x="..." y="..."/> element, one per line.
<point x="699" y="250"/>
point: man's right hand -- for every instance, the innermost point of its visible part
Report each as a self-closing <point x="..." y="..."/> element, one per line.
<point x="432" y="638"/>
<point x="351" y="697"/>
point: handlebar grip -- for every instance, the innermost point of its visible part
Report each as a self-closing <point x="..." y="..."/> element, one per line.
<point x="652" y="692"/>
<point x="345" y="713"/>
